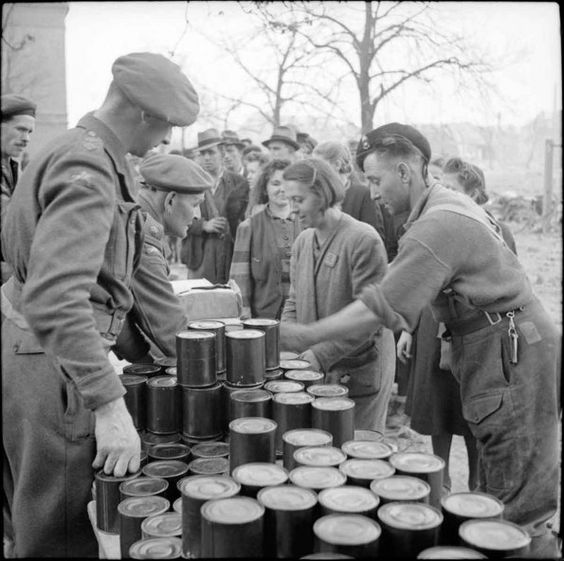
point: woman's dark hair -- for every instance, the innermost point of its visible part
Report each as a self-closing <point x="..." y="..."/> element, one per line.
<point x="321" y="179"/>
<point x="471" y="178"/>
<point x="261" y="193"/>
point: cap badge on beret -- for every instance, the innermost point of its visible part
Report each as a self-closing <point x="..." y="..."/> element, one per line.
<point x="364" y="144"/>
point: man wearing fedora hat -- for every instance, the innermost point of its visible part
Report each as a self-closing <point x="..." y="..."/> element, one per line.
<point x="207" y="248"/>
<point x="283" y="144"/>
<point x="233" y="153"/>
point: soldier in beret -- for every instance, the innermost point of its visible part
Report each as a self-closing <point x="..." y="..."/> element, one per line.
<point x="18" y="124"/>
<point x="73" y="235"/>
<point x="505" y="348"/>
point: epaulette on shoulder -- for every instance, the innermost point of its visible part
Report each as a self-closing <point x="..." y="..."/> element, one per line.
<point x="90" y="141"/>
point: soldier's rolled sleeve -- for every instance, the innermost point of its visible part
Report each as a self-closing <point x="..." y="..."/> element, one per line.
<point x="77" y="196"/>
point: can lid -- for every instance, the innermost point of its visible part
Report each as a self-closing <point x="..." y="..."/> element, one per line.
<point x="308" y="437"/>
<point x="333" y="403"/>
<point x="401" y="488"/>
<point x="250" y="396"/>
<point x="202" y="389"/>
<point x="288" y="355"/>
<point x="293" y="398"/>
<point x="367" y="449"/>
<point x="143" y="486"/>
<point x="165" y="525"/>
<point x="132" y="379"/>
<point x="209" y="466"/>
<point x="101" y="476"/>
<point x="245" y="334"/>
<point x="494" y="534"/>
<point x="367" y="469"/>
<point x="328" y="390"/>
<point x="151" y="438"/>
<point x="195" y="334"/>
<point x="252" y="425"/>
<point x="235" y="510"/>
<point x="210" y="449"/>
<point x="319" y="456"/>
<point x="275" y="374"/>
<point x="177" y="505"/>
<point x="172" y="371"/>
<point x="416" y="462"/>
<point x="473" y="505"/>
<point x="347" y="529"/>
<point x="168" y="451"/>
<point x="295" y="364"/>
<point x="283" y="386"/>
<point x="368" y="434"/>
<point x="450" y="552"/>
<point x="410" y="516"/>
<point x="162" y="381"/>
<point x="142" y="369"/>
<point x="261" y="322"/>
<point x="156" y="548"/>
<point x="205" y="324"/>
<point x="208" y="487"/>
<point x="327" y="555"/>
<point x="300" y="375"/>
<point x="165" y="468"/>
<point x="260" y="474"/>
<point x="287" y="497"/>
<point x="348" y="499"/>
<point x="141" y="507"/>
<point x="313" y="477"/>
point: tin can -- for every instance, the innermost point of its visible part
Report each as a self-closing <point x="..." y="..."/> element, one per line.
<point x="276" y="374"/>
<point x="169" y="470"/>
<point x="149" y="439"/>
<point x="351" y="534"/>
<point x="335" y="415"/>
<point x="132" y="512"/>
<point x="297" y="438"/>
<point x="372" y="435"/>
<point x="289" y="512"/>
<point x="250" y="403"/>
<point x="317" y="478"/>
<point x="172" y="371"/>
<point x="227" y="389"/>
<point x="295" y="364"/>
<point x="320" y="456"/>
<point x="401" y="488"/>
<point x="327" y="555"/>
<point x="196" y="354"/>
<point x="166" y="525"/>
<point x="409" y="528"/>
<point x="218" y="328"/>
<point x="148" y="370"/>
<point x="283" y="386"/>
<point x="202" y="415"/>
<point x="291" y="411"/>
<point x="163" y="405"/>
<point x="328" y="390"/>
<point x="306" y="377"/>
<point x="176" y="451"/>
<point x="495" y="538"/>
<point x="107" y="500"/>
<point x="143" y="487"/>
<point x="136" y="398"/>
<point x="367" y="449"/>
<point x="156" y="548"/>
<point x="209" y="466"/>
<point x="196" y="491"/>
<point x="210" y="450"/>
<point x="232" y="528"/>
<point x="177" y="504"/>
<point x="251" y="439"/>
<point x="271" y="328"/>
<point x="459" y="507"/>
<point x="450" y="552"/>
<point x="256" y="475"/>
<point x="245" y="357"/>
<point x="427" y="467"/>
<point x="288" y="355"/>
<point x="363" y="472"/>
<point x="348" y="499"/>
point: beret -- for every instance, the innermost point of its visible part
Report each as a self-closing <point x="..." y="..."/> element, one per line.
<point x="168" y="172"/>
<point x="158" y="86"/>
<point x="13" y="104"/>
<point x="369" y="141"/>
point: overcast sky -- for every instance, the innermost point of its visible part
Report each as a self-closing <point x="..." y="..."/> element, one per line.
<point x="528" y="34"/>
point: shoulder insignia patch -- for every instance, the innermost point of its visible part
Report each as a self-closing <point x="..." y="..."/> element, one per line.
<point x="91" y="141"/>
<point x="82" y="177"/>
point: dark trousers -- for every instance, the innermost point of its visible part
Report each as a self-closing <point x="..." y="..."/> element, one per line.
<point x="513" y="412"/>
<point x="49" y="446"/>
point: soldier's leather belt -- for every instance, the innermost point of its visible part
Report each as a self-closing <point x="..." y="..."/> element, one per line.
<point x="475" y="323"/>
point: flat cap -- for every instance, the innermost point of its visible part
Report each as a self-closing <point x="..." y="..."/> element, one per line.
<point x="168" y="172"/>
<point x="369" y="141"/>
<point x="158" y="86"/>
<point x="14" y="104"/>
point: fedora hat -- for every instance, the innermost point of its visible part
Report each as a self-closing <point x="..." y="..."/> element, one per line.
<point x="283" y="134"/>
<point x="208" y="138"/>
<point x="231" y="137"/>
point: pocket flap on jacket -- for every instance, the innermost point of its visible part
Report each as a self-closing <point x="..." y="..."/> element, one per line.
<point x="28" y="344"/>
<point x="481" y="407"/>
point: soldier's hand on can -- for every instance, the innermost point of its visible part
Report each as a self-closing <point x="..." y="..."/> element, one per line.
<point x="118" y="447"/>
